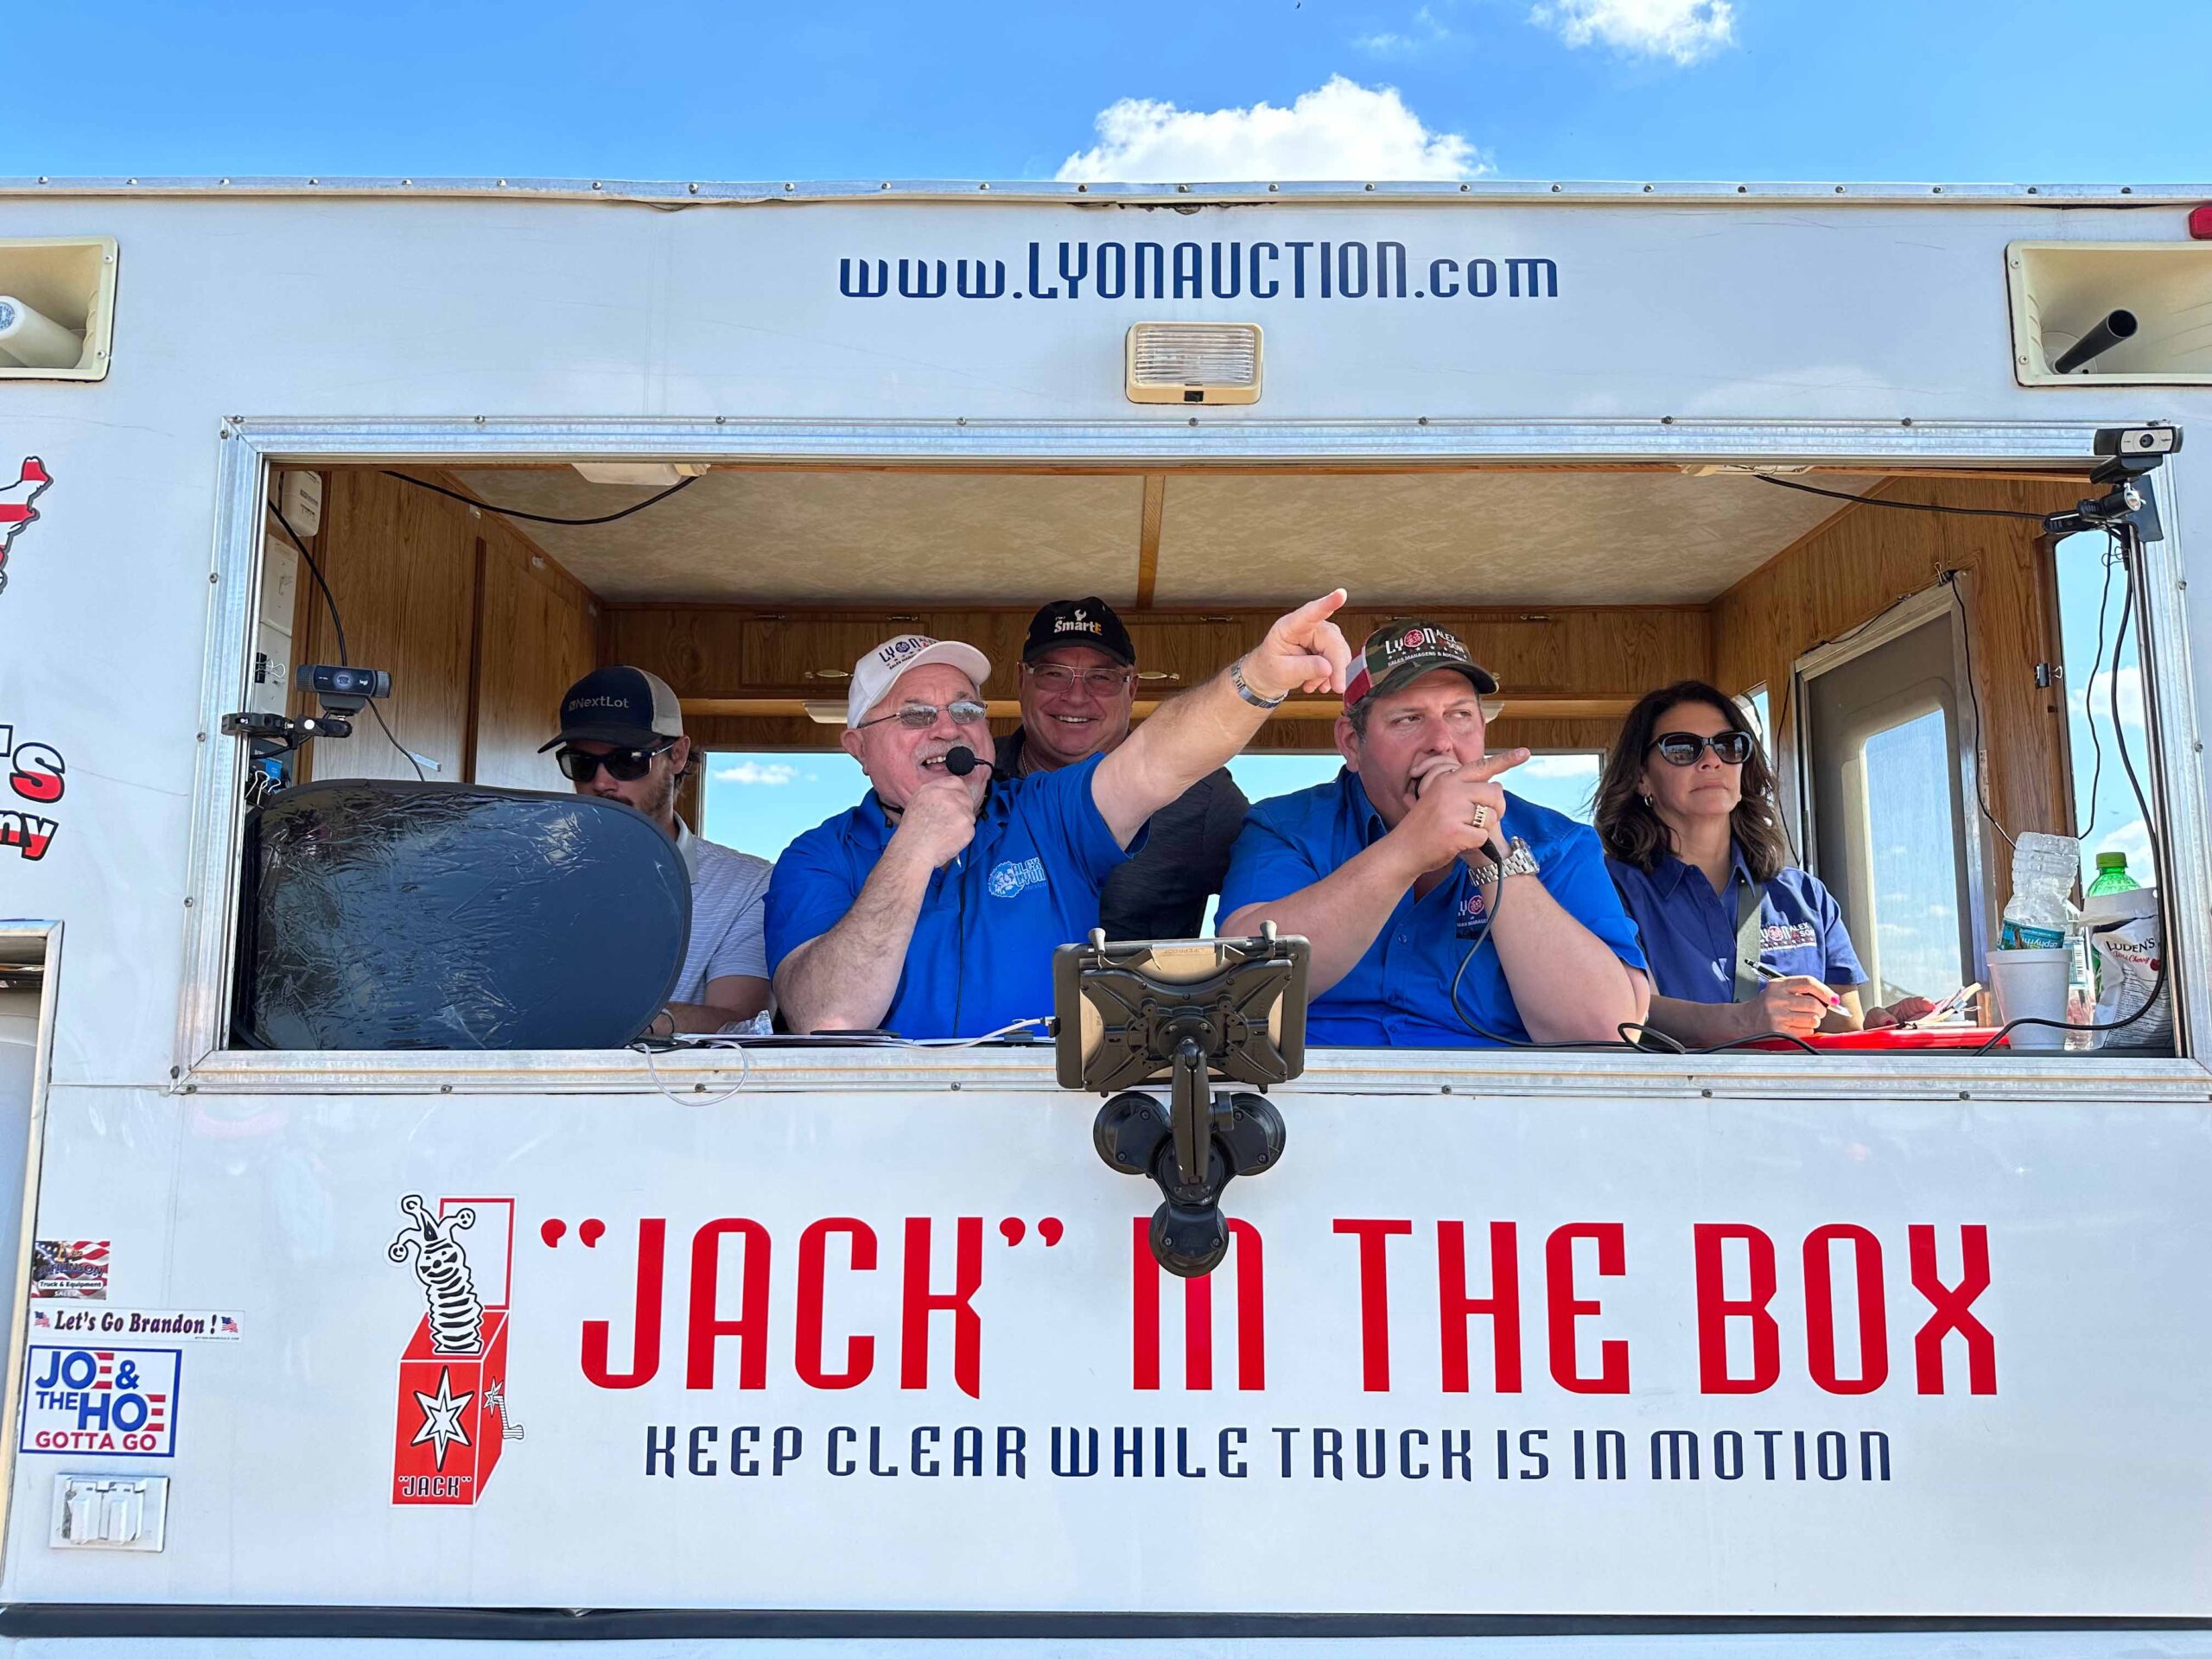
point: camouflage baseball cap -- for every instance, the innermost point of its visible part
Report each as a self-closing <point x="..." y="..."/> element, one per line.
<point x="1401" y="652"/>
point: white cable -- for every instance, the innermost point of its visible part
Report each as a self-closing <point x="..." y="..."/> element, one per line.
<point x="970" y="1042"/>
<point x="695" y="1099"/>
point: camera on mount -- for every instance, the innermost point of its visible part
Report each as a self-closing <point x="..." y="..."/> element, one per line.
<point x="343" y="690"/>
<point x="271" y="738"/>
<point x="1191" y="1010"/>
<point x="2131" y="454"/>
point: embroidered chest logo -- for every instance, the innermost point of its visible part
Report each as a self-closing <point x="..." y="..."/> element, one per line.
<point x="1011" y="878"/>
<point x="1473" y="909"/>
<point x="1790" y="936"/>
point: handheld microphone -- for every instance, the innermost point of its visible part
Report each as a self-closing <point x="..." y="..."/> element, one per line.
<point x="960" y="760"/>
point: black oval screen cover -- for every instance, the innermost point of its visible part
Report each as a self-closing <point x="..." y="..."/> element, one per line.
<point x="402" y="915"/>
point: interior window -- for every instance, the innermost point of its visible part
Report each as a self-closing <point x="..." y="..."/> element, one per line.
<point x="759" y="801"/>
<point x="1890" y="774"/>
<point x="1565" y="781"/>
<point x="1909" y="945"/>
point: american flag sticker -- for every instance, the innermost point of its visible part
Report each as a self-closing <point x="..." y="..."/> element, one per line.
<point x="71" y="1269"/>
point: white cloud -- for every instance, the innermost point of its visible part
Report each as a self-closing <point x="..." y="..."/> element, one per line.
<point x="1684" y="30"/>
<point x="2095" y="699"/>
<point x="2132" y="839"/>
<point x="773" y="775"/>
<point x="1426" y="30"/>
<point x="1338" y="130"/>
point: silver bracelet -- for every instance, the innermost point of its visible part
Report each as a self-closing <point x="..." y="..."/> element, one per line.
<point x="1244" y="690"/>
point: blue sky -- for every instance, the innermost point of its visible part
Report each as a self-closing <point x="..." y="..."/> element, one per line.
<point x="1705" y="89"/>
<point x="1953" y="91"/>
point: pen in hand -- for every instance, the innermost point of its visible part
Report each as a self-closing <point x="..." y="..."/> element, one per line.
<point x="1768" y="972"/>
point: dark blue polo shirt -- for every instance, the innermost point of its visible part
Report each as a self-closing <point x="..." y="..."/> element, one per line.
<point x="1400" y="993"/>
<point x="1689" y="931"/>
<point x="981" y="955"/>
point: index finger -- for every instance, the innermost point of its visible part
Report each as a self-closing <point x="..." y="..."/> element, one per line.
<point x="1492" y="764"/>
<point x="1316" y="610"/>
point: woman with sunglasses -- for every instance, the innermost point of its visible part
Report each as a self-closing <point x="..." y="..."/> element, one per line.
<point x="1740" y="941"/>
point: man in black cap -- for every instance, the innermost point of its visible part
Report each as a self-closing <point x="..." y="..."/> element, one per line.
<point x="1442" y="911"/>
<point x="622" y="740"/>
<point x="1078" y="685"/>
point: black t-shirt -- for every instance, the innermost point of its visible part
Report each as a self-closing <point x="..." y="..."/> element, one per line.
<point x="1161" y="892"/>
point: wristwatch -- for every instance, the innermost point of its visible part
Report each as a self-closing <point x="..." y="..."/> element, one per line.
<point x="1519" y="860"/>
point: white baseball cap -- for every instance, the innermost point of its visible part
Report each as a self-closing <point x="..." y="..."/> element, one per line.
<point x="877" y="672"/>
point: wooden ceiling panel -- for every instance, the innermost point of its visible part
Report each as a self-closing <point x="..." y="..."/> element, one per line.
<point x="1478" y="539"/>
<point x="872" y="537"/>
<point x="768" y="538"/>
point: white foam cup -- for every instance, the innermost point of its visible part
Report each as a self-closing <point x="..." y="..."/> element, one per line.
<point x="2031" y="985"/>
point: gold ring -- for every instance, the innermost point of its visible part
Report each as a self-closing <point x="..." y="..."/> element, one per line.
<point x="1481" y="817"/>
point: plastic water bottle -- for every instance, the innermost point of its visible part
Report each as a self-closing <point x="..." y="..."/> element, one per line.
<point x="2038" y="917"/>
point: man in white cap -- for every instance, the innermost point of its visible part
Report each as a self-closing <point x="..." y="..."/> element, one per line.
<point x="933" y="908"/>
<point x="622" y="740"/>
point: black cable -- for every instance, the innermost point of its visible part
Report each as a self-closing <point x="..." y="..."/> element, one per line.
<point x="1901" y="507"/>
<point x="540" y="517"/>
<point x="315" y="570"/>
<point x="2088" y="708"/>
<point x="2125" y="538"/>
<point x="1950" y="579"/>
<point x="338" y="626"/>
<point x="1760" y="1037"/>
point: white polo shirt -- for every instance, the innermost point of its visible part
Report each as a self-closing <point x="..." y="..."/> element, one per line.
<point x="727" y="888"/>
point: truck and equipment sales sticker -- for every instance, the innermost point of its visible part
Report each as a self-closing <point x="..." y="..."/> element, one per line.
<point x="74" y="1269"/>
<point x="116" y="1401"/>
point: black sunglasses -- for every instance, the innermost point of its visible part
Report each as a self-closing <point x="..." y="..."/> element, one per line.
<point x="1683" y="748"/>
<point x="627" y="765"/>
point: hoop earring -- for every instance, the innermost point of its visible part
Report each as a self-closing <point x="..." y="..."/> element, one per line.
<point x="1646" y="799"/>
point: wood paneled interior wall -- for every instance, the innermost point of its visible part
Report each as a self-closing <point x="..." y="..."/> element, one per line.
<point x="1858" y="563"/>
<point x="479" y="629"/>
<point x="1564" y="656"/>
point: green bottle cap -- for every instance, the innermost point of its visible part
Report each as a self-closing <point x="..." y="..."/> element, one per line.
<point x="2112" y="860"/>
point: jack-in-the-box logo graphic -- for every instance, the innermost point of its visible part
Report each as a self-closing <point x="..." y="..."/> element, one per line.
<point x="452" y="1378"/>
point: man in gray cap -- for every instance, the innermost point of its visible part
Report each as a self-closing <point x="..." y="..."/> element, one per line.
<point x="1077" y="686"/>
<point x="622" y="740"/>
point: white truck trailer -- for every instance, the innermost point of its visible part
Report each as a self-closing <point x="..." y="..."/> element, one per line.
<point x="863" y="1341"/>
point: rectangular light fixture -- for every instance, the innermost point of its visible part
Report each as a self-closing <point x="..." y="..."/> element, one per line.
<point x="1193" y="363"/>
<point x="660" y="473"/>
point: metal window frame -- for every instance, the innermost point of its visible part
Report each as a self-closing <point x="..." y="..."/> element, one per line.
<point x="251" y="447"/>
<point x="1930" y="605"/>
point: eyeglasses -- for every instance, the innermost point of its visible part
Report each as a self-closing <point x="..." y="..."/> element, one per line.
<point x="1684" y="748"/>
<point x="627" y="765"/>
<point x="1102" y="681"/>
<point x="920" y="716"/>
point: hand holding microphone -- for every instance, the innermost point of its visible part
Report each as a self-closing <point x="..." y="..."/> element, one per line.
<point x="939" y="817"/>
<point x="1457" y="809"/>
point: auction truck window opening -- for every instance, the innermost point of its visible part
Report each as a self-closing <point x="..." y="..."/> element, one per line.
<point x="1593" y="561"/>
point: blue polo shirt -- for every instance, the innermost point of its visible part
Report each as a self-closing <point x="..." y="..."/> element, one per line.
<point x="981" y="955"/>
<point x="1400" y="993"/>
<point x="1689" y="931"/>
